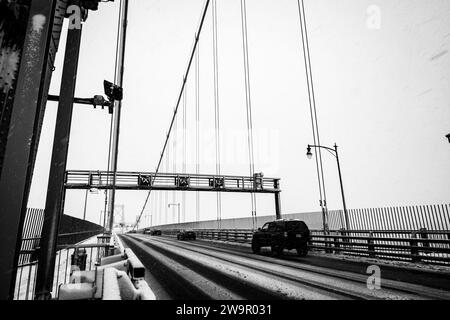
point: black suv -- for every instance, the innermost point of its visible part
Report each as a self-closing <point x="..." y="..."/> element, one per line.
<point x="282" y="234"/>
<point x="186" y="235"/>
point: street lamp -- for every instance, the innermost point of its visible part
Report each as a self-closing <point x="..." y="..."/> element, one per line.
<point x="308" y="152"/>
<point x="178" y="205"/>
<point x="448" y="137"/>
<point x="334" y="152"/>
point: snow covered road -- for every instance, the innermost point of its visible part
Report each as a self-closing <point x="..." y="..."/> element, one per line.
<point x="201" y="270"/>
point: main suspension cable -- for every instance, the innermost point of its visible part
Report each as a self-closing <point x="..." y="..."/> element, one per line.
<point x="197" y="36"/>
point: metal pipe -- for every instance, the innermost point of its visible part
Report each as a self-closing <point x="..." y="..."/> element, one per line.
<point x="117" y="111"/>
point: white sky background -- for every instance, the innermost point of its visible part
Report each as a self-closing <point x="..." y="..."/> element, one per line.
<point x="382" y="94"/>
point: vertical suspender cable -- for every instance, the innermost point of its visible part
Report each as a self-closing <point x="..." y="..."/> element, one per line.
<point x="216" y="106"/>
<point x="248" y="104"/>
<point x="166" y="192"/>
<point x="313" y="111"/>
<point x="174" y="167"/>
<point x="155" y="207"/>
<point x="197" y="129"/>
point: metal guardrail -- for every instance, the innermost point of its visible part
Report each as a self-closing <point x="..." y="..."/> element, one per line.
<point x="66" y="258"/>
<point x="414" y="245"/>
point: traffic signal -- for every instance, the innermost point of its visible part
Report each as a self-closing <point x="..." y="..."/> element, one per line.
<point x="112" y="91"/>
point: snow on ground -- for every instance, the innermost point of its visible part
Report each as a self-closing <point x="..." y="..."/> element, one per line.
<point x="246" y="275"/>
<point x="245" y="267"/>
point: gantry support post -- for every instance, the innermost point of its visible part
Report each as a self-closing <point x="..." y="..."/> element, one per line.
<point x="276" y="185"/>
<point x="55" y="193"/>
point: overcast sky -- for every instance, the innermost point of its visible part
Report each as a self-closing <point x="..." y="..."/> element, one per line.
<point x="381" y="75"/>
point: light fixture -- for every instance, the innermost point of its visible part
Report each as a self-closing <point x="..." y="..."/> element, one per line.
<point x="93" y="190"/>
<point x="308" y="152"/>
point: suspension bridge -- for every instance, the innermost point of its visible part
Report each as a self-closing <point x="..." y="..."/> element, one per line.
<point x="161" y="267"/>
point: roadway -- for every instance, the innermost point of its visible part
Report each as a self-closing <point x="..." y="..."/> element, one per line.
<point x="203" y="270"/>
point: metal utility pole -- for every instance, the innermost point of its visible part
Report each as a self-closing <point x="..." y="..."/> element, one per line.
<point x="19" y="148"/>
<point x="117" y="110"/>
<point x="55" y="193"/>
<point x="347" y="223"/>
<point x="333" y="152"/>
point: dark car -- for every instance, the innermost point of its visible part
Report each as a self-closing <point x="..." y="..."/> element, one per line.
<point x="282" y="234"/>
<point x="186" y="235"/>
<point x="155" y="232"/>
<point x="152" y="232"/>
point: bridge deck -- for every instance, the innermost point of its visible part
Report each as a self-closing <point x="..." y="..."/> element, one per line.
<point x="85" y="179"/>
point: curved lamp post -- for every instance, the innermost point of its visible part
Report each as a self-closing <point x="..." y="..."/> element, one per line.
<point x="334" y="152"/>
<point x="178" y="205"/>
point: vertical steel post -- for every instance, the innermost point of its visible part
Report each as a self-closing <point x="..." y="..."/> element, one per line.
<point x="277" y="199"/>
<point x="117" y="112"/>
<point x="20" y="149"/>
<point x="55" y="193"/>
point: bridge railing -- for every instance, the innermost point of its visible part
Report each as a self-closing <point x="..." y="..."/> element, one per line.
<point x="69" y="258"/>
<point x="403" y="245"/>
